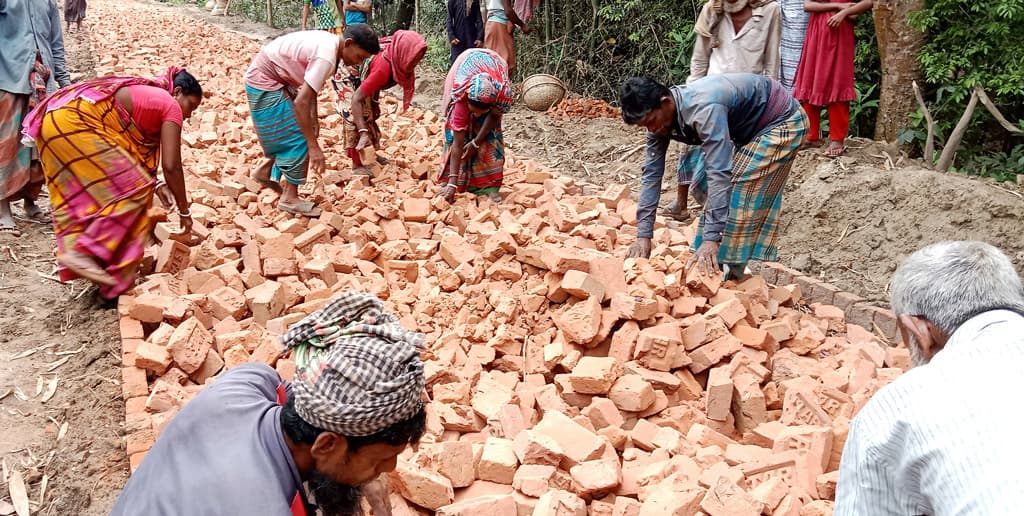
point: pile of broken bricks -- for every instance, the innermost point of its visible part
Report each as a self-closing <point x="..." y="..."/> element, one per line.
<point x="562" y="379"/>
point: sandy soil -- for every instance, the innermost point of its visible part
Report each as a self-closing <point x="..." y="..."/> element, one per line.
<point x="49" y="332"/>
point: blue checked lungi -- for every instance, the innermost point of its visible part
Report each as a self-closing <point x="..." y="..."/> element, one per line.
<point x="759" y="172"/>
<point x="273" y="115"/>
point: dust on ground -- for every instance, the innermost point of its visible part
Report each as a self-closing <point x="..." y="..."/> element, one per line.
<point x="60" y="333"/>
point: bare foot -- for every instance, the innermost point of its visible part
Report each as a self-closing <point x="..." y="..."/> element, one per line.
<point x="835" y="149"/>
<point x="86" y="267"/>
<point x="262" y="175"/>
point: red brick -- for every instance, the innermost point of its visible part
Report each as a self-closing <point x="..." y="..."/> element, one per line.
<point x="560" y="259"/>
<point x="149" y="308"/>
<point x="416" y="209"/>
<point x="133" y="382"/>
<point x="581" y="321"/>
<point x="456" y="251"/>
<point x="731" y="312"/>
<point x="582" y="285"/>
<point x="318" y="234"/>
<point x="635" y="308"/>
<point x="131" y="328"/>
<point x="594" y="375"/>
<point x="578" y="443"/>
<point x="172" y="258"/>
<point x="152" y="357"/>
<point x="702" y="285"/>
<point x="210" y="367"/>
<point x="725" y="498"/>
<point x="226" y="302"/>
<point x="661" y="348"/>
<point x="631" y="393"/>
<point x="267" y="301"/>
<point x="190" y="344"/>
<point x="713" y="352"/>
<point x="719" y="401"/>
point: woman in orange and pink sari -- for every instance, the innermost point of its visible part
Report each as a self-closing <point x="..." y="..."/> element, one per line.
<point x="100" y="142"/>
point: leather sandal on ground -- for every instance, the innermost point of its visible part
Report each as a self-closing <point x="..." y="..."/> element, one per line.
<point x="10" y="230"/>
<point x="304" y="208"/>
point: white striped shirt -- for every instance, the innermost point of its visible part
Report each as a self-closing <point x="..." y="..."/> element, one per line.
<point x="944" y="438"/>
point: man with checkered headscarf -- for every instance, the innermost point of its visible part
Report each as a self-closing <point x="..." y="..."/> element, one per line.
<point x="252" y="443"/>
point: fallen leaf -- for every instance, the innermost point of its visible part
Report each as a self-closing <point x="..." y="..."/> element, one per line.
<point x="20" y="394"/>
<point x="54" y="365"/>
<point x="79" y="350"/>
<point x="19" y="496"/>
<point x="6" y="508"/>
<point x="39" y="386"/>
<point x="6" y="393"/>
<point x="63" y="430"/>
<point x="42" y="488"/>
<point x="51" y="389"/>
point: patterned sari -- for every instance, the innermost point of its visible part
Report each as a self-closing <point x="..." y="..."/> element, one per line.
<point x="100" y="171"/>
<point x="479" y="75"/>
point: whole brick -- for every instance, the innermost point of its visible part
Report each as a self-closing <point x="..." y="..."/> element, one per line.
<point x="420" y="486"/>
<point x="190" y="344"/>
<point x="631" y="393"/>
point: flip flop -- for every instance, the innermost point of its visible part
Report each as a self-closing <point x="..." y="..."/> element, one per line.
<point x="10" y="230"/>
<point x="304" y="208"/>
<point x="39" y="216"/>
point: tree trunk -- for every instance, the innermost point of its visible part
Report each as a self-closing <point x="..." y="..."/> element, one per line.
<point x="406" y="10"/>
<point x="898" y="49"/>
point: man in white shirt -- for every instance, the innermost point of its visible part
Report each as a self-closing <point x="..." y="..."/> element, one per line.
<point x="944" y="438"/>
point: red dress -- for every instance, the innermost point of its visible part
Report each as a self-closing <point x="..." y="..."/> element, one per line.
<point x="825" y="73"/>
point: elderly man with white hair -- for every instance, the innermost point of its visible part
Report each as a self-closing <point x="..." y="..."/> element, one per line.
<point x="944" y="438"/>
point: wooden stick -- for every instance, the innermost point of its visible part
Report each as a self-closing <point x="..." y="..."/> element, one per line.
<point x="995" y="112"/>
<point x="929" y="141"/>
<point x="946" y="159"/>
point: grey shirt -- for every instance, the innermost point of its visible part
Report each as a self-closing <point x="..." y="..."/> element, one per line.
<point x="717" y="114"/>
<point x="27" y="26"/>
<point x="223" y="454"/>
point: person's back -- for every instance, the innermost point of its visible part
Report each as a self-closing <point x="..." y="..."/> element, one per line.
<point x="230" y="431"/>
<point x="943" y="438"/>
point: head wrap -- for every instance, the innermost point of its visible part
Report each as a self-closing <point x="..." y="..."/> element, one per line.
<point x="711" y="15"/>
<point x="399" y="50"/>
<point x="357" y="370"/>
<point x="478" y="74"/>
<point x="483" y="89"/>
<point x="93" y="90"/>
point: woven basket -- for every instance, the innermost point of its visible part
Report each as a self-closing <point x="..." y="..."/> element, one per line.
<point x="542" y="91"/>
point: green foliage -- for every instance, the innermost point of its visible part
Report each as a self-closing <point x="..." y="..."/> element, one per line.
<point x="867" y="77"/>
<point x="972" y="44"/>
<point x="1002" y="166"/>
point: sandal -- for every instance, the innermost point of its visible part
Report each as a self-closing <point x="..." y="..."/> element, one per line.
<point x="38" y="215"/>
<point x="10" y="230"/>
<point x="672" y="210"/>
<point x="304" y="208"/>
